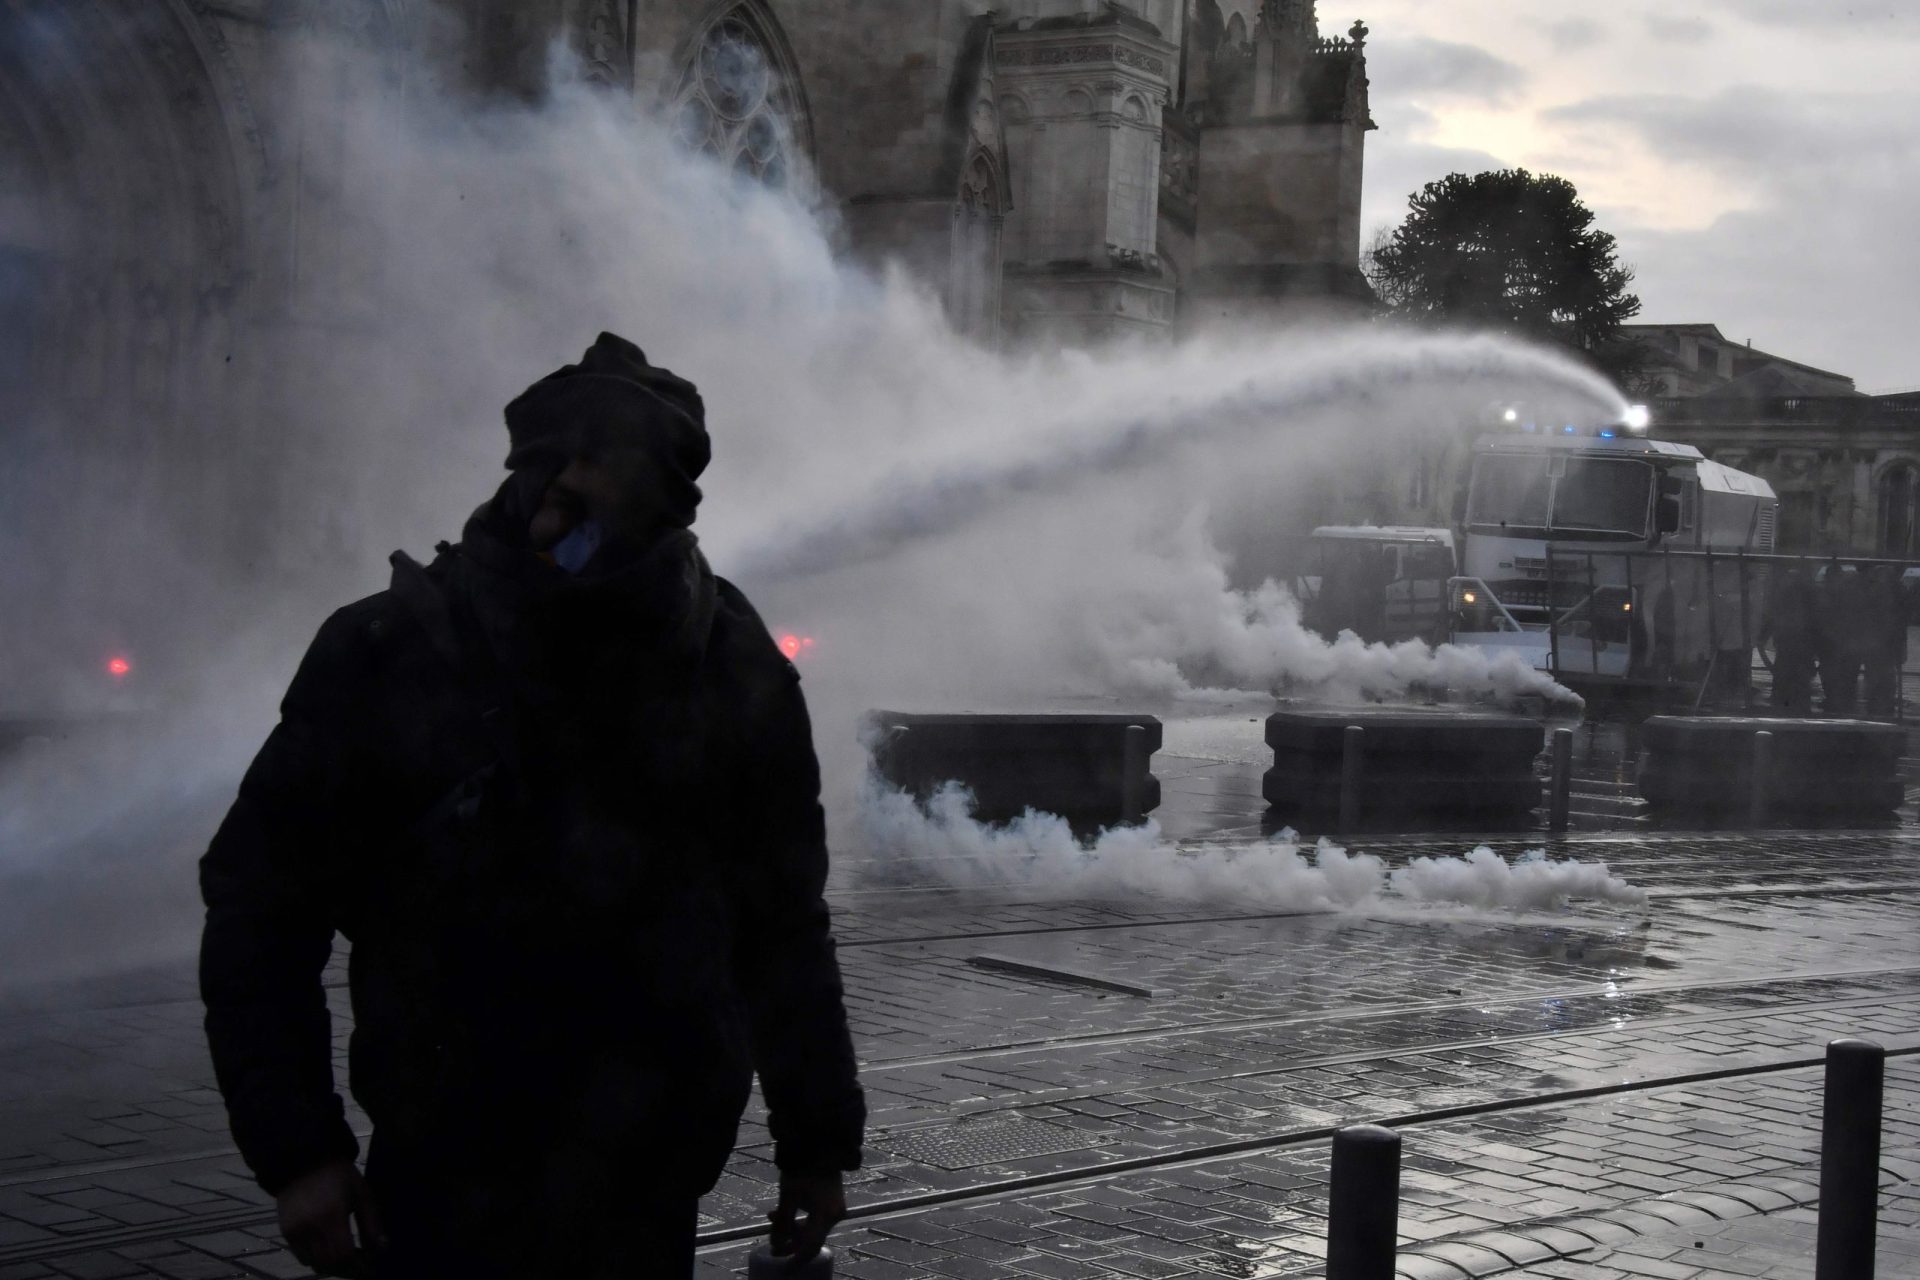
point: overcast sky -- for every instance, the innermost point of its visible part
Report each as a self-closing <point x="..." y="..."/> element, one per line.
<point x="1759" y="160"/>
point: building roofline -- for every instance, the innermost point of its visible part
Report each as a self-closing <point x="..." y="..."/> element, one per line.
<point x="1713" y="329"/>
<point x="1699" y="330"/>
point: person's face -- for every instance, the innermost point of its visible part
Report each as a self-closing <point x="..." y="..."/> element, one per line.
<point x="613" y="484"/>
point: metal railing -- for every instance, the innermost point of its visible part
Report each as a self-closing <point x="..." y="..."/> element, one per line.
<point x="1363" y="1194"/>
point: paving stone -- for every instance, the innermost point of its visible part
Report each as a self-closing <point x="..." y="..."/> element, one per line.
<point x="97" y="1266"/>
<point x="1259" y="1027"/>
<point x="1473" y="1259"/>
<point x="1419" y="1266"/>
<point x="1518" y="1249"/>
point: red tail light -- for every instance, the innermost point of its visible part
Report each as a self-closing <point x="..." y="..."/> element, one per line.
<point x="119" y="668"/>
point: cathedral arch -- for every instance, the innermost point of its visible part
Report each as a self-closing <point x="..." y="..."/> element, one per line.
<point x="129" y="166"/>
<point x="739" y="96"/>
<point x="983" y="186"/>
<point x="126" y="258"/>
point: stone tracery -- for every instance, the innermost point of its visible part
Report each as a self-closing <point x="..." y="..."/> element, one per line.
<point x="736" y="102"/>
<point x="974" y="295"/>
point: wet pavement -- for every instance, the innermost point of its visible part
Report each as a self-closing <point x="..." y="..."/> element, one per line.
<point x="1126" y="1088"/>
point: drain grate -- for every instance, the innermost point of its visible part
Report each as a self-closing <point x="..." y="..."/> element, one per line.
<point x="969" y="1144"/>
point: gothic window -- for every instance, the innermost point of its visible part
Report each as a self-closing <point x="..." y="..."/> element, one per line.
<point x="605" y="44"/>
<point x="737" y="103"/>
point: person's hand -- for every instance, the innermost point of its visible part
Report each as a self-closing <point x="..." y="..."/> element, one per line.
<point x="810" y="1205"/>
<point x="315" y="1210"/>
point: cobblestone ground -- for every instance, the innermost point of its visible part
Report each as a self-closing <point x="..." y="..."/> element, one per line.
<point x="1147" y="1089"/>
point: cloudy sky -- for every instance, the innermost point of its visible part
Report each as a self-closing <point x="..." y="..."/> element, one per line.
<point x="1759" y="160"/>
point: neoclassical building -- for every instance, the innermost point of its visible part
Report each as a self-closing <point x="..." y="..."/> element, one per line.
<point x="1846" y="465"/>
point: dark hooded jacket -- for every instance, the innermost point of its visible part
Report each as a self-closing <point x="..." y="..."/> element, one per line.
<point x="572" y="831"/>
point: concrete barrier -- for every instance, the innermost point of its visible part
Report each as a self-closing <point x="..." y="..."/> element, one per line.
<point x="1091" y="769"/>
<point x="1718" y="766"/>
<point x="1404" y="768"/>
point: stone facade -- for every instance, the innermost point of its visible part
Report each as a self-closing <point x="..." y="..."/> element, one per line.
<point x="1687" y="360"/>
<point x="1845" y="465"/>
<point x="1069" y="170"/>
<point x="1059" y="171"/>
<point x="1083" y="104"/>
<point x="1277" y="126"/>
<point x="1847" y="468"/>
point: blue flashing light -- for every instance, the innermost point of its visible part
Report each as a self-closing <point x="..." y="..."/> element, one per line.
<point x="1606" y="435"/>
<point x="1567" y="430"/>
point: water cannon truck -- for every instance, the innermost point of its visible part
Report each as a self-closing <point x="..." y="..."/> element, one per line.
<point x="1600" y="554"/>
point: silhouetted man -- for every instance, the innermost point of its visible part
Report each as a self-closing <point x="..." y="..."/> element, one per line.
<point x="558" y="789"/>
<point x="1884" y="639"/>
<point x="1793" y="624"/>
<point x="1842" y="638"/>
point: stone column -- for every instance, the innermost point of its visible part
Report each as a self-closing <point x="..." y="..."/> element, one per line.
<point x="1082" y="105"/>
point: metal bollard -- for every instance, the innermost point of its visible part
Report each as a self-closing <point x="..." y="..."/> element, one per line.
<point x="1352" y="773"/>
<point x="1850" y="1161"/>
<point x="1363" y="1210"/>
<point x="1762" y="780"/>
<point x="1562" y="779"/>
<point x="1133" y="773"/>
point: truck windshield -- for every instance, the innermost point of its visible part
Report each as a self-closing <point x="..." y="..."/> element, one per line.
<point x="1603" y="495"/>
<point x="1510" y="493"/>
<point x="1518" y="495"/>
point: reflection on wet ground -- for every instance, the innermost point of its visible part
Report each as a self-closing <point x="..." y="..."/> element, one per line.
<point x="1143" y="1084"/>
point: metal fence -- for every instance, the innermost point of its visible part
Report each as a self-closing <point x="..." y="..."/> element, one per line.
<point x="1794" y="633"/>
<point x="1699" y="629"/>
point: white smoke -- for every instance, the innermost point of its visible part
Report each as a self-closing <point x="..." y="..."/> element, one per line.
<point x="1532" y="881"/>
<point x="954" y="526"/>
<point x="1176" y="628"/>
<point x="1038" y="855"/>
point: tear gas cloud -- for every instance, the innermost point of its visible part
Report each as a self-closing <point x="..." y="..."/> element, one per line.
<point x="1038" y="857"/>
<point x="956" y="527"/>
